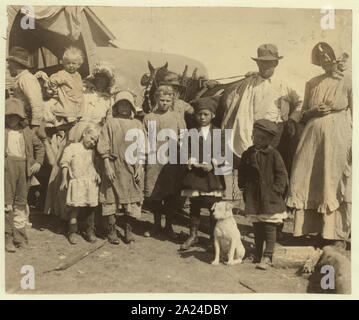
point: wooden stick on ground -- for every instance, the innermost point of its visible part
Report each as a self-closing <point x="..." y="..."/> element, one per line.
<point x="77" y="258"/>
<point x="247" y="286"/>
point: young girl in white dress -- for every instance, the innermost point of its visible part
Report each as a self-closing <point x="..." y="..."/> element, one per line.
<point x="81" y="180"/>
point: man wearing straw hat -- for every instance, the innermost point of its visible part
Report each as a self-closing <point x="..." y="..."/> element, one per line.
<point x="26" y="85"/>
<point x="259" y="95"/>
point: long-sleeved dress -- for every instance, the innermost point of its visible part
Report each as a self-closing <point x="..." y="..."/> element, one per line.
<point x="125" y="191"/>
<point x="69" y="90"/>
<point x="161" y="180"/>
<point x="320" y="187"/>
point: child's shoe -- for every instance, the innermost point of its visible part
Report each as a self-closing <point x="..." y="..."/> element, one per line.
<point x="90" y="231"/>
<point x="128" y="234"/>
<point x="112" y="235"/>
<point x="156" y="227"/>
<point x="9" y="244"/>
<point x="170" y="232"/>
<point x="265" y="263"/>
<point x="22" y="245"/>
<point x="72" y="238"/>
<point x="20" y="238"/>
<point x="72" y="233"/>
<point x="193" y="238"/>
<point x="90" y="236"/>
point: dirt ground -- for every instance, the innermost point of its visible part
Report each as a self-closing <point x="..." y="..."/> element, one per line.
<point x="148" y="265"/>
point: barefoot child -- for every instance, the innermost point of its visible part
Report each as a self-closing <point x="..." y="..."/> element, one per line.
<point x="200" y="183"/>
<point x="80" y="178"/>
<point x="121" y="187"/>
<point x="24" y="154"/>
<point x="263" y="176"/>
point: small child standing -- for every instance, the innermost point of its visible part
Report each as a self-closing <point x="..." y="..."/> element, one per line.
<point x="200" y="183"/>
<point x="263" y="176"/>
<point x="68" y="87"/>
<point x="121" y="187"/>
<point x="80" y="178"/>
<point x="161" y="179"/>
<point x="24" y="155"/>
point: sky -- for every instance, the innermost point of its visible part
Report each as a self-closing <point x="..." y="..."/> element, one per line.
<point x="225" y="39"/>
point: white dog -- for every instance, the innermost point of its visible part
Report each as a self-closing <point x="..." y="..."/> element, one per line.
<point x="226" y="234"/>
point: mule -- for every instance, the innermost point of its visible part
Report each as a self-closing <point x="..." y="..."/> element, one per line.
<point x="198" y="87"/>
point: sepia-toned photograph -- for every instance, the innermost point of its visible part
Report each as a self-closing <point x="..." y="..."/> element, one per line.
<point x="202" y="150"/>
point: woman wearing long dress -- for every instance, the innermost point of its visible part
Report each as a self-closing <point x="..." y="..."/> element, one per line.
<point x="98" y="98"/>
<point x="320" y="187"/>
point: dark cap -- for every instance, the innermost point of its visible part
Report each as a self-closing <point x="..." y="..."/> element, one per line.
<point x="267" y="126"/>
<point x="171" y="79"/>
<point x="19" y="55"/>
<point x="206" y="103"/>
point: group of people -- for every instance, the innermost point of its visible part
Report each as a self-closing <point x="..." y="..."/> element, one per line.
<point x="79" y="133"/>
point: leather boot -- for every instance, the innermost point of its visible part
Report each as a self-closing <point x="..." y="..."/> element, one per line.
<point x="9" y="244"/>
<point x="156" y="208"/>
<point x="192" y="239"/>
<point x="112" y="232"/>
<point x="128" y="230"/>
<point x="9" y="239"/>
<point x="20" y="237"/>
<point x="170" y="210"/>
<point x="169" y="228"/>
<point x="90" y="230"/>
<point x="72" y="233"/>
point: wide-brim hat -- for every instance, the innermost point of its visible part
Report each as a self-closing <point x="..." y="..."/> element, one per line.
<point x="267" y="52"/>
<point x="206" y="103"/>
<point x="267" y="126"/>
<point x="19" y="55"/>
<point x="171" y="79"/>
<point x="15" y="106"/>
<point x="128" y="96"/>
<point x="322" y="49"/>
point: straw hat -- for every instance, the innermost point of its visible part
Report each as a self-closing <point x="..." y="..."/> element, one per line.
<point x="267" y="52"/>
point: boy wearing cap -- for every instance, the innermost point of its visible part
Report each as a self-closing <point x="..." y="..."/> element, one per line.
<point x="200" y="183"/>
<point x="122" y="185"/>
<point x="24" y="154"/>
<point x="26" y="86"/>
<point x="263" y="176"/>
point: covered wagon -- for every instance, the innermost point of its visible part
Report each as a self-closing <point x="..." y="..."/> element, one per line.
<point x="58" y="27"/>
